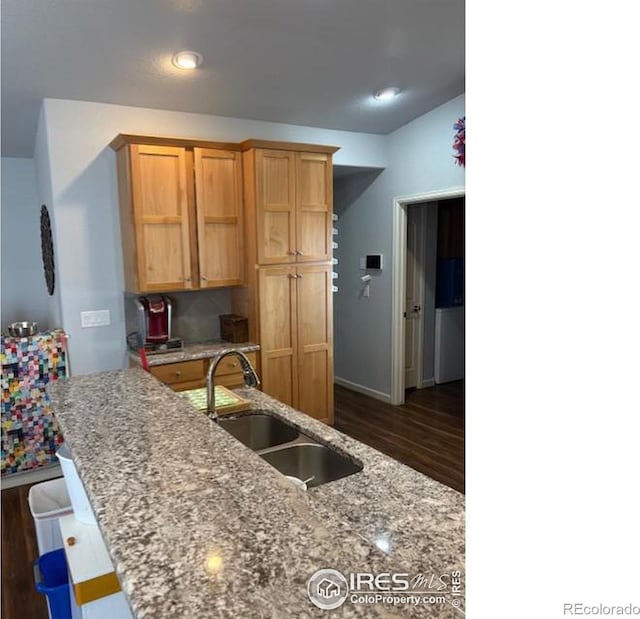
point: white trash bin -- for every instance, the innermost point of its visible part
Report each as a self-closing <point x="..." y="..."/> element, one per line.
<point x="79" y="499"/>
<point x="48" y="502"/>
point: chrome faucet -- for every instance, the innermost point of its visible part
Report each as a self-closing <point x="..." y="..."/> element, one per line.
<point x="250" y="378"/>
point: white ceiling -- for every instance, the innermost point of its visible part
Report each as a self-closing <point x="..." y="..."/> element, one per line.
<point x="305" y="62"/>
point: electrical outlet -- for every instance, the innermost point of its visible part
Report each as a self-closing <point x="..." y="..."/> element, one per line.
<point x="95" y="318"/>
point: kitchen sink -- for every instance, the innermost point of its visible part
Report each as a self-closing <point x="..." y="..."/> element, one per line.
<point x="258" y="430"/>
<point x="310" y="461"/>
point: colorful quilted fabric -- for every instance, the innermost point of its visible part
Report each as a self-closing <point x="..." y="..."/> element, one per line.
<point x="30" y="433"/>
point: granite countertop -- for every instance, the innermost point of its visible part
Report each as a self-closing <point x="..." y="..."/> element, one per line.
<point x="204" y="350"/>
<point x="198" y="525"/>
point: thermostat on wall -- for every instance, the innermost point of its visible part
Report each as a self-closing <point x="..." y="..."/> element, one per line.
<point x="373" y="262"/>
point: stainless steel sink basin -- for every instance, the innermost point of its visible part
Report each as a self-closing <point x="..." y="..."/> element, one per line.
<point x="305" y="460"/>
<point x="259" y="431"/>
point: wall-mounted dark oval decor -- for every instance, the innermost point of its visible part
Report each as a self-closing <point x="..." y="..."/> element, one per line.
<point x="47" y="248"/>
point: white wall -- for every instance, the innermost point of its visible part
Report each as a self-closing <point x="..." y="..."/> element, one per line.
<point x="24" y="291"/>
<point x="85" y="207"/>
<point x="419" y="160"/>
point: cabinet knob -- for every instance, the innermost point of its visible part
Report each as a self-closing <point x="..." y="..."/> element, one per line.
<point x="299" y="253"/>
<point x="178" y="373"/>
<point x="204" y="278"/>
<point x="71" y="541"/>
<point x="292" y="253"/>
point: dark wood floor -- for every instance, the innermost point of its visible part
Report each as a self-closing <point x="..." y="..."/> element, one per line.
<point x="426" y="433"/>
<point x="20" y="600"/>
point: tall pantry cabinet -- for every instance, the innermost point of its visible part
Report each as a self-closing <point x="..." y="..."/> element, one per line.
<point x="288" y="191"/>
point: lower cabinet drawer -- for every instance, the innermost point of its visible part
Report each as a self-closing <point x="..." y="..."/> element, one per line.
<point x="192" y="374"/>
<point x="230" y="380"/>
<point x="231" y="365"/>
<point x="185" y="371"/>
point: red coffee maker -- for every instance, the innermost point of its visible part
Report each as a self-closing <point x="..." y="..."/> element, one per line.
<point x="154" y="324"/>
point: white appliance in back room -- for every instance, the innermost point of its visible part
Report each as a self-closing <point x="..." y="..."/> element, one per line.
<point x="449" y="344"/>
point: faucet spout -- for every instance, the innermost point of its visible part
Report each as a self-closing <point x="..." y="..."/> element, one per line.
<point x="248" y="372"/>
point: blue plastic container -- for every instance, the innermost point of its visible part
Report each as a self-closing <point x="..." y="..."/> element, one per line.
<point x="52" y="579"/>
<point x="449" y="282"/>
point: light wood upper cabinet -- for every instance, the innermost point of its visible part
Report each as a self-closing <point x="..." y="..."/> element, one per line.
<point x="181" y="215"/>
<point x="275" y="206"/>
<point x="161" y="217"/>
<point x="314" y="206"/>
<point x="218" y="177"/>
<point x="293" y="206"/>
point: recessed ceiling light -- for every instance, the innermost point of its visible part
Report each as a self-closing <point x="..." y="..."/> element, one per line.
<point x="187" y="60"/>
<point x="386" y="94"/>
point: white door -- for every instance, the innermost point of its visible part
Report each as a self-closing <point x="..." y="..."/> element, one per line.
<point x="414" y="297"/>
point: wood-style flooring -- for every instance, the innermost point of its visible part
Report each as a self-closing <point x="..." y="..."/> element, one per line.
<point x="425" y="433"/>
<point x="20" y="600"/>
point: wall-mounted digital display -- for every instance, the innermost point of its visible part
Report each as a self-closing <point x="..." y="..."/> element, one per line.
<point x="374" y="261"/>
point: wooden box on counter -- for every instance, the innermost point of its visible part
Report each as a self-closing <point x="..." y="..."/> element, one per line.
<point x="234" y="328"/>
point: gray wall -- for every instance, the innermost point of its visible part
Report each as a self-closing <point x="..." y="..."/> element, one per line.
<point x="43" y="181"/>
<point x="24" y="291"/>
<point x="419" y="160"/>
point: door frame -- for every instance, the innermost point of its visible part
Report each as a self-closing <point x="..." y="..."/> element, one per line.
<point x="398" y="282"/>
<point x="419" y="327"/>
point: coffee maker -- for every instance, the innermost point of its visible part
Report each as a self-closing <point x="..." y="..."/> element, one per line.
<point x="154" y="316"/>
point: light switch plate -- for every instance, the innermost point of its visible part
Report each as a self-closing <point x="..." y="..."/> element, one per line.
<point x="95" y="318"/>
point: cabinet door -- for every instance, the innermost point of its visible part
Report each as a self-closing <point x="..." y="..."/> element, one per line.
<point x="218" y="176"/>
<point x="161" y="217"/>
<point x="278" y="333"/>
<point x="314" y="200"/>
<point x="315" y="341"/>
<point x="275" y="201"/>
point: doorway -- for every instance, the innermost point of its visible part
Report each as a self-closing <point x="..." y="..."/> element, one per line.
<point x="434" y="306"/>
<point x="412" y="320"/>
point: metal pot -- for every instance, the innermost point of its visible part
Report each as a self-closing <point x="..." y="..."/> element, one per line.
<point x="23" y="329"/>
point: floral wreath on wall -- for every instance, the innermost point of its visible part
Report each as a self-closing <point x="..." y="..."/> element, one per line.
<point x="458" y="141"/>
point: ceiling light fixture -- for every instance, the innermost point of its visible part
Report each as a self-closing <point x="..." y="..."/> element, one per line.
<point x="187" y="60"/>
<point x="386" y="94"/>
